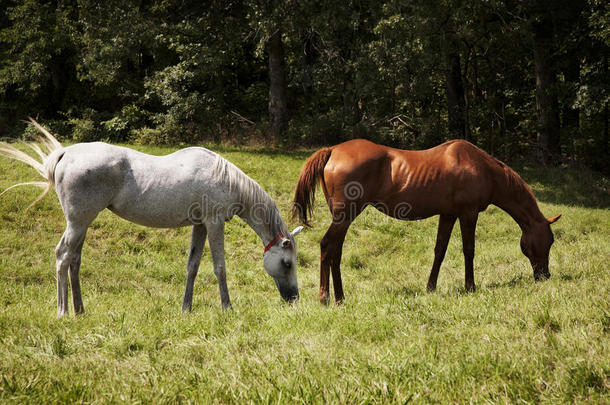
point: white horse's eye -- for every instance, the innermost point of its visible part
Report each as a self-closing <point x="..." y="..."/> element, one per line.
<point x="287" y="263"/>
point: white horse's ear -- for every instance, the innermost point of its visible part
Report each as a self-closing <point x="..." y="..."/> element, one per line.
<point x="296" y="231"/>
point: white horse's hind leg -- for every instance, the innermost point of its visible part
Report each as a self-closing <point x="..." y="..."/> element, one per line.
<point x="197" y="243"/>
<point x="216" y="236"/>
<point x="66" y="253"/>
<point x="77" y="299"/>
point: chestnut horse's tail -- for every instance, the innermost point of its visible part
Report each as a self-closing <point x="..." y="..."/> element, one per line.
<point x="304" y="195"/>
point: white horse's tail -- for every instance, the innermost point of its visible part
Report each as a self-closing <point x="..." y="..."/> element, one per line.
<point x="49" y="151"/>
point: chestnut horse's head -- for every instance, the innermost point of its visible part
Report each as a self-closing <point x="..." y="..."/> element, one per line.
<point x="536" y="243"/>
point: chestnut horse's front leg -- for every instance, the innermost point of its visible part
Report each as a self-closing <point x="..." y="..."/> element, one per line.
<point x="468" y="225"/>
<point x="445" y="226"/>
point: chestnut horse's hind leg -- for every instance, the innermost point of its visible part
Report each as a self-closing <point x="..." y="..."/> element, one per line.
<point x="335" y="264"/>
<point x="445" y="226"/>
<point x="331" y="248"/>
<point x="468" y="225"/>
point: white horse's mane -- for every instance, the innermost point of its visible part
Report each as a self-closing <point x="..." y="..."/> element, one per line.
<point x="251" y="194"/>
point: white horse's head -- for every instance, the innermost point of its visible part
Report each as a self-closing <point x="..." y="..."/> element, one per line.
<point x="280" y="262"/>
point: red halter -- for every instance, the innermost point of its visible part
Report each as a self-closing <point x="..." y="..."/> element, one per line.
<point x="273" y="241"/>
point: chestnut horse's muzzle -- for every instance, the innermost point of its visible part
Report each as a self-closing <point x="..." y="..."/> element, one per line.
<point x="543" y="274"/>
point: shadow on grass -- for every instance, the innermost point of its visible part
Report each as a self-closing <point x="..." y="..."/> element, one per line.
<point x="569" y="185"/>
<point x="296" y="153"/>
<point x="570" y="277"/>
<point x="403" y="291"/>
<point x="516" y="280"/>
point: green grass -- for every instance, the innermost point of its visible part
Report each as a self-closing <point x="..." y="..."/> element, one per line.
<point x="512" y="341"/>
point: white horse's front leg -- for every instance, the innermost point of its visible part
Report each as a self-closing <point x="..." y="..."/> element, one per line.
<point x="197" y="241"/>
<point x="216" y="236"/>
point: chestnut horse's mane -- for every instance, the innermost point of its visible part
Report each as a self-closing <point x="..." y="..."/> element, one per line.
<point x="514" y="182"/>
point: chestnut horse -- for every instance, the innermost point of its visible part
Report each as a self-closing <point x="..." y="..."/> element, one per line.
<point x="455" y="180"/>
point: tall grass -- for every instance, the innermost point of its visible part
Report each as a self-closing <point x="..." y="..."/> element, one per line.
<point x="512" y="341"/>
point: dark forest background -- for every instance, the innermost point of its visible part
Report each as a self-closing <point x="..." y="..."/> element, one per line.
<point x="518" y="78"/>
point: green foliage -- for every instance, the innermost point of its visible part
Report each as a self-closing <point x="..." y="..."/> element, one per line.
<point x="84" y="130"/>
<point x="325" y="128"/>
<point x="368" y="68"/>
<point x="150" y="136"/>
<point x="513" y="341"/>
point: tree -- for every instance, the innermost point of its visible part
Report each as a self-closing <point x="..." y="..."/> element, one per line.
<point x="456" y="110"/>
<point x="510" y="76"/>
<point x="547" y="105"/>
<point x="278" y="101"/>
<point x="37" y="65"/>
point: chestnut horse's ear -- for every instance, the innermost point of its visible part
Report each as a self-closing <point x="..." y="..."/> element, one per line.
<point x="554" y="219"/>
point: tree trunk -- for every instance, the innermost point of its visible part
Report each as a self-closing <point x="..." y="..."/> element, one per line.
<point x="571" y="115"/>
<point x="547" y="106"/>
<point x="278" y="101"/>
<point x="308" y="60"/>
<point x="456" y="108"/>
<point x="605" y="135"/>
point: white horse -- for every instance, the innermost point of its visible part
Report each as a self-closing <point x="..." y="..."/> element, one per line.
<point x="192" y="186"/>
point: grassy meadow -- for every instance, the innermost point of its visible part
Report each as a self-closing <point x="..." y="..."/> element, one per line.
<point x="391" y="342"/>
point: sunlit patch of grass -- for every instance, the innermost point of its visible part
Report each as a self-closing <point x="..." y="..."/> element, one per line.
<point x="512" y="341"/>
